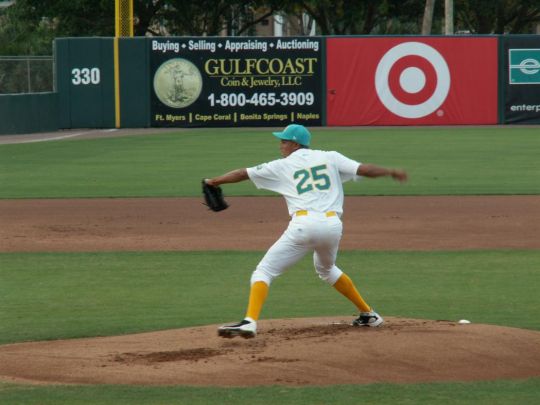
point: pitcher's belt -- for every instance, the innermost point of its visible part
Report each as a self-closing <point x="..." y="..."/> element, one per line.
<point x="305" y="212"/>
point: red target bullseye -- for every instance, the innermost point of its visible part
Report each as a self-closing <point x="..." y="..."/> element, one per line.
<point x="412" y="80"/>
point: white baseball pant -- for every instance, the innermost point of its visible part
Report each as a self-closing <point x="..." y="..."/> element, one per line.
<point x="315" y="232"/>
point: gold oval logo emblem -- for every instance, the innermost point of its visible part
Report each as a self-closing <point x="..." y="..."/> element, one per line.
<point x="178" y="83"/>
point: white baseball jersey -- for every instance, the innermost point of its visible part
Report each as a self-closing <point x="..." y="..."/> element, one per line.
<point x="308" y="179"/>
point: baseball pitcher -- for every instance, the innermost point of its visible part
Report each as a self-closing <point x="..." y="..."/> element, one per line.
<point x="311" y="182"/>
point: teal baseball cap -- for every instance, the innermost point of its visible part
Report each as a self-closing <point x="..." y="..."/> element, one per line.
<point x="296" y="133"/>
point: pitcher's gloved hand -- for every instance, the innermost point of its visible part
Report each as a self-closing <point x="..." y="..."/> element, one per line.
<point x="213" y="197"/>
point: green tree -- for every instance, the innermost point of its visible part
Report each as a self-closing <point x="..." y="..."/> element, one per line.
<point x="213" y="17"/>
<point x="29" y="26"/>
<point x="497" y="17"/>
<point x="365" y="17"/>
<point x="24" y="33"/>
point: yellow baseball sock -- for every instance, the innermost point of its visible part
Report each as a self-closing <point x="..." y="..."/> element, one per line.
<point x="257" y="297"/>
<point x="346" y="287"/>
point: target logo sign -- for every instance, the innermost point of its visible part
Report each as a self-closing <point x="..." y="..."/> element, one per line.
<point x="412" y="80"/>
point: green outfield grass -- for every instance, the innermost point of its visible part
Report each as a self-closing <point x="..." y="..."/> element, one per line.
<point x="478" y="393"/>
<point x="68" y="295"/>
<point x="46" y="296"/>
<point x="462" y="160"/>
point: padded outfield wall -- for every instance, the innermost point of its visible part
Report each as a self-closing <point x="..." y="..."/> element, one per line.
<point x="273" y="81"/>
<point x="520" y="79"/>
<point x="190" y="82"/>
<point x="412" y="81"/>
<point x="28" y="113"/>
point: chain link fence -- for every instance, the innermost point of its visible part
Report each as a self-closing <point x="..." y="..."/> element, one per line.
<point x="26" y="74"/>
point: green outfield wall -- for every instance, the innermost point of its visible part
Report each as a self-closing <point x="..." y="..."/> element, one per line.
<point x="28" y="113"/>
<point x="85" y="82"/>
<point x="134" y="83"/>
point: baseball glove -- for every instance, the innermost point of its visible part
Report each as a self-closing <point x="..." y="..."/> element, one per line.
<point x="213" y="197"/>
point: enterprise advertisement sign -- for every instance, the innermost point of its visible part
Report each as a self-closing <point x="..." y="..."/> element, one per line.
<point x="244" y="81"/>
<point x="521" y="73"/>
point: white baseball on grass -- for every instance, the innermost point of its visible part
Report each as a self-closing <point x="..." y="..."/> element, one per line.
<point x="462" y="321"/>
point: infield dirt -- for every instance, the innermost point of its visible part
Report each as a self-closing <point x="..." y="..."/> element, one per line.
<point x="315" y="351"/>
<point x="254" y="223"/>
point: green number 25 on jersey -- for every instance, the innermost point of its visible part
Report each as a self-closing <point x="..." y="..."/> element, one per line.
<point x="315" y="177"/>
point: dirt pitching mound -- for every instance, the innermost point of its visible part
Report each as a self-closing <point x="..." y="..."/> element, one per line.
<point x="308" y="351"/>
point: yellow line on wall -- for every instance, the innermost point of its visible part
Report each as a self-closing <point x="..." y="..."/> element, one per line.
<point x="116" y="83"/>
